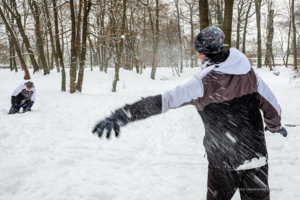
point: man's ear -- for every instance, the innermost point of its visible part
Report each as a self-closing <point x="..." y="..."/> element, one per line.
<point x="202" y="58"/>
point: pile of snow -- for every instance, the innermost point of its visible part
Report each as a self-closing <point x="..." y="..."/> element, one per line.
<point x="51" y="153"/>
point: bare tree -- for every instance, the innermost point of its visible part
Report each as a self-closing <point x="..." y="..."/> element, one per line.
<point x="17" y="16"/>
<point x="73" y="64"/>
<point x="12" y="60"/>
<point x="245" y="27"/>
<point x="243" y="9"/>
<point x="191" y="5"/>
<point x="114" y="88"/>
<point x="58" y="48"/>
<point x="86" y="10"/>
<point x="49" y="26"/>
<point x="24" y="67"/>
<point x="270" y="34"/>
<point x="36" y="13"/>
<point x="179" y="35"/>
<point x="294" y="36"/>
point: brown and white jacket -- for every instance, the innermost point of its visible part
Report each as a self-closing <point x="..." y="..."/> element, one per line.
<point x="228" y="96"/>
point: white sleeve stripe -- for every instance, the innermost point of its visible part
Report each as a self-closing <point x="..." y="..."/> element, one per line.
<point x="33" y="95"/>
<point x="193" y="89"/>
<point x="265" y="91"/>
<point x="18" y="90"/>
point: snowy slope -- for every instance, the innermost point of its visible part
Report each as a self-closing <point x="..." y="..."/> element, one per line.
<point x="50" y="153"/>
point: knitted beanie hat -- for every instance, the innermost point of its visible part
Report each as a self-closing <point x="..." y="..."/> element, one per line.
<point x="29" y="84"/>
<point x="209" y="41"/>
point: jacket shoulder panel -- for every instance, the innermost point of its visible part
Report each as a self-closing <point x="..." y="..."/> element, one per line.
<point x="220" y="87"/>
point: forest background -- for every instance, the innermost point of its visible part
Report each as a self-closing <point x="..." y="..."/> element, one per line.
<point x="52" y="35"/>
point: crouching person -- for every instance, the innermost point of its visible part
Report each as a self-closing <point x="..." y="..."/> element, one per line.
<point x="23" y="97"/>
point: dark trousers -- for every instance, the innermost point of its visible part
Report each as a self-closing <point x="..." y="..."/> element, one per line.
<point x="252" y="183"/>
<point x="21" y="104"/>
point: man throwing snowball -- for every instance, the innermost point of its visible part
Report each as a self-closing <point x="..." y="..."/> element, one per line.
<point x="228" y="95"/>
<point x="23" y="97"/>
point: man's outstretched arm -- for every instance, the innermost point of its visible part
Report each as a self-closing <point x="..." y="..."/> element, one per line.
<point x="129" y="113"/>
<point x="153" y="105"/>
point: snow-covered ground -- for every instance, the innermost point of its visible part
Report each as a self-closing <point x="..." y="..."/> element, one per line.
<point x="51" y="154"/>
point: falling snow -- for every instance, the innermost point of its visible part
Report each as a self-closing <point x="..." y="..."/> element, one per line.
<point x="51" y="153"/>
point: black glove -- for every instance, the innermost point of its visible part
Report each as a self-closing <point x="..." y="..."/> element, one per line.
<point x="25" y="109"/>
<point x="117" y="119"/>
<point x="282" y="131"/>
<point x="28" y="108"/>
<point x="30" y="104"/>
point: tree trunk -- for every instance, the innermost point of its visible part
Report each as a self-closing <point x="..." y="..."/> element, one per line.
<point x="92" y="53"/>
<point x="48" y="52"/>
<point x="73" y="64"/>
<point x="294" y="36"/>
<point x="52" y="60"/>
<point x="156" y="42"/>
<point x="24" y="67"/>
<point x="270" y="34"/>
<point x="192" y="37"/>
<point x="179" y="35"/>
<point x="62" y="36"/>
<point x="245" y="29"/>
<point x="11" y="46"/>
<point x="228" y="23"/>
<point x="288" y="44"/>
<point x="103" y="63"/>
<point x="10" y="52"/>
<point x="78" y="33"/>
<point x="14" y="58"/>
<point x="114" y="85"/>
<point x="238" y="23"/>
<point x="298" y="51"/>
<point x="219" y="15"/>
<point x="58" y="50"/>
<point x="203" y="14"/>
<point x="86" y="8"/>
<point x="36" y="13"/>
<point x="136" y="59"/>
<point x="51" y="37"/>
<point x="238" y="36"/>
<point x="258" y="15"/>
